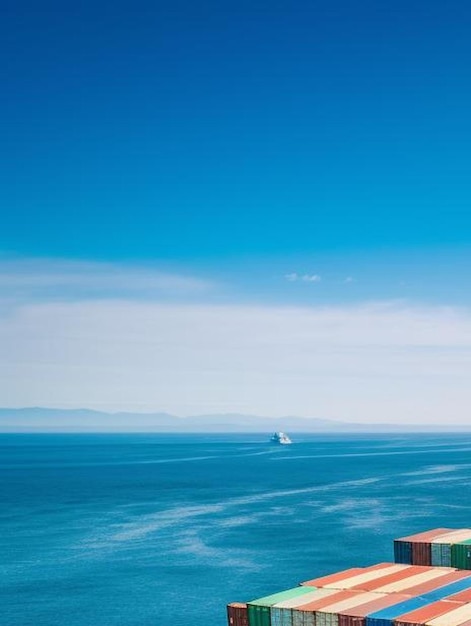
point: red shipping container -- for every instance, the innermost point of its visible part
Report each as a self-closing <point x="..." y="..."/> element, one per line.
<point x="237" y="614"/>
<point x="426" y="613"/>
<point x="421" y="553"/>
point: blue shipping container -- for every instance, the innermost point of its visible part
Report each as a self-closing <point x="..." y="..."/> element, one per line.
<point x="386" y="616"/>
<point x="448" y="590"/>
<point x="403" y="552"/>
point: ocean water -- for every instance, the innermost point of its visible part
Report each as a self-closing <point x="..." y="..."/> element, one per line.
<point x="161" y="530"/>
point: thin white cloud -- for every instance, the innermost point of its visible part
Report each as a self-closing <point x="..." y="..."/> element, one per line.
<point x="307" y="278"/>
<point x="384" y="362"/>
<point x="36" y="278"/>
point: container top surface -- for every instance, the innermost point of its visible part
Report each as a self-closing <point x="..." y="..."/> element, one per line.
<point x="324" y="580"/>
<point x="238" y="605"/>
<point x="426" y="535"/>
<point x="465" y="542"/>
<point x="454" y="537"/>
<point x="394" y="611"/>
<point x="411" y="581"/>
<point x="409" y="570"/>
<point x="280" y="596"/>
<point x="444" y="592"/>
<point x="461" y="596"/>
<point x="353" y="581"/>
<point x="428" y="612"/>
<point x="453" y="618"/>
<point x="317" y="605"/>
<point x="348" y="603"/>
<point x="362" y="610"/>
<point x="315" y="594"/>
<point x="438" y="583"/>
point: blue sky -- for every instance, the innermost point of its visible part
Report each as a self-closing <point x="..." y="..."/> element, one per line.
<point x="220" y="154"/>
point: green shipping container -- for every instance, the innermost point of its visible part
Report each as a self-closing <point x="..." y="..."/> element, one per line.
<point x="461" y="554"/>
<point x="259" y="610"/>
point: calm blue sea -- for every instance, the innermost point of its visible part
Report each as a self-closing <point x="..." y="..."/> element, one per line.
<point x="160" y="530"/>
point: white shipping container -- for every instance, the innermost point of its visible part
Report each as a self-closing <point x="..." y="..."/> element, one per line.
<point x="453" y="618"/>
<point x="348" y="583"/>
<point x="412" y="581"/>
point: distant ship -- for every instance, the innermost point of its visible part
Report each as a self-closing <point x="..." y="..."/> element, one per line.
<point x="281" y="438"/>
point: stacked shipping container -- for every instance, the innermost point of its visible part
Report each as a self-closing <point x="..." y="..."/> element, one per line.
<point x="442" y="547"/>
<point x="422" y="588"/>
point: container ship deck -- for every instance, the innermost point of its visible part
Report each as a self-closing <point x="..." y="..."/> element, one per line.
<point x="428" y="584"/>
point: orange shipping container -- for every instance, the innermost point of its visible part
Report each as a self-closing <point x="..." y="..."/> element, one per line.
<point x="331" y="578"/>
<point x="431" y="585"/>
<point x="348" y="573"/>
<point x="372" y="585"/>
<point x="430" y="573"/>
<point x="461" y="596"/>
<point x="364" y="577"/>
<point x="426" y="613"/>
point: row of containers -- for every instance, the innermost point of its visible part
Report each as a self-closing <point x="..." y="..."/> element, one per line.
<point x="442" y="547"/>
<point x="387" y="594"/>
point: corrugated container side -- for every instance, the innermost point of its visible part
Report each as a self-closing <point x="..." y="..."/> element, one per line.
<point x="258" y="615"/>
<point x="424" y="588"/>
<point x="448" y="590"/>
<point x="325" y="580"/>
<point x="441" y="554"/>
<point x="280" y="617"/>
<point x="372" y="585"/>
<point x="427" y="535"/>
<point x="426" y="613"/>
<point x="436" y="554"/>
<point x="421" y="553"/>
<point x="461" y="554"/>
<point x="402" y="551"/>
<point x="237" y="614"/>
<point x="329" y="615"/>
<point x="281" y="614"/>
<point x="305" y="614"/>
<point x="385" y="617"/>
<point x="348" y="583"/>
<point x="411" y="581"/>
<point x="258" y="610"/>
<point x="453" y="618"/>
<point x="304" y="618"/>
<point x="356" y="616"/>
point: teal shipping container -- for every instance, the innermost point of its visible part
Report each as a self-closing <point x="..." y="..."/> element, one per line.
<point x="441" y="555"/>
<point x="461" y="554"/>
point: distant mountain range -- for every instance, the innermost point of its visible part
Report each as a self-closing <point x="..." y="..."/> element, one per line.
<point x="37" y="419"/>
